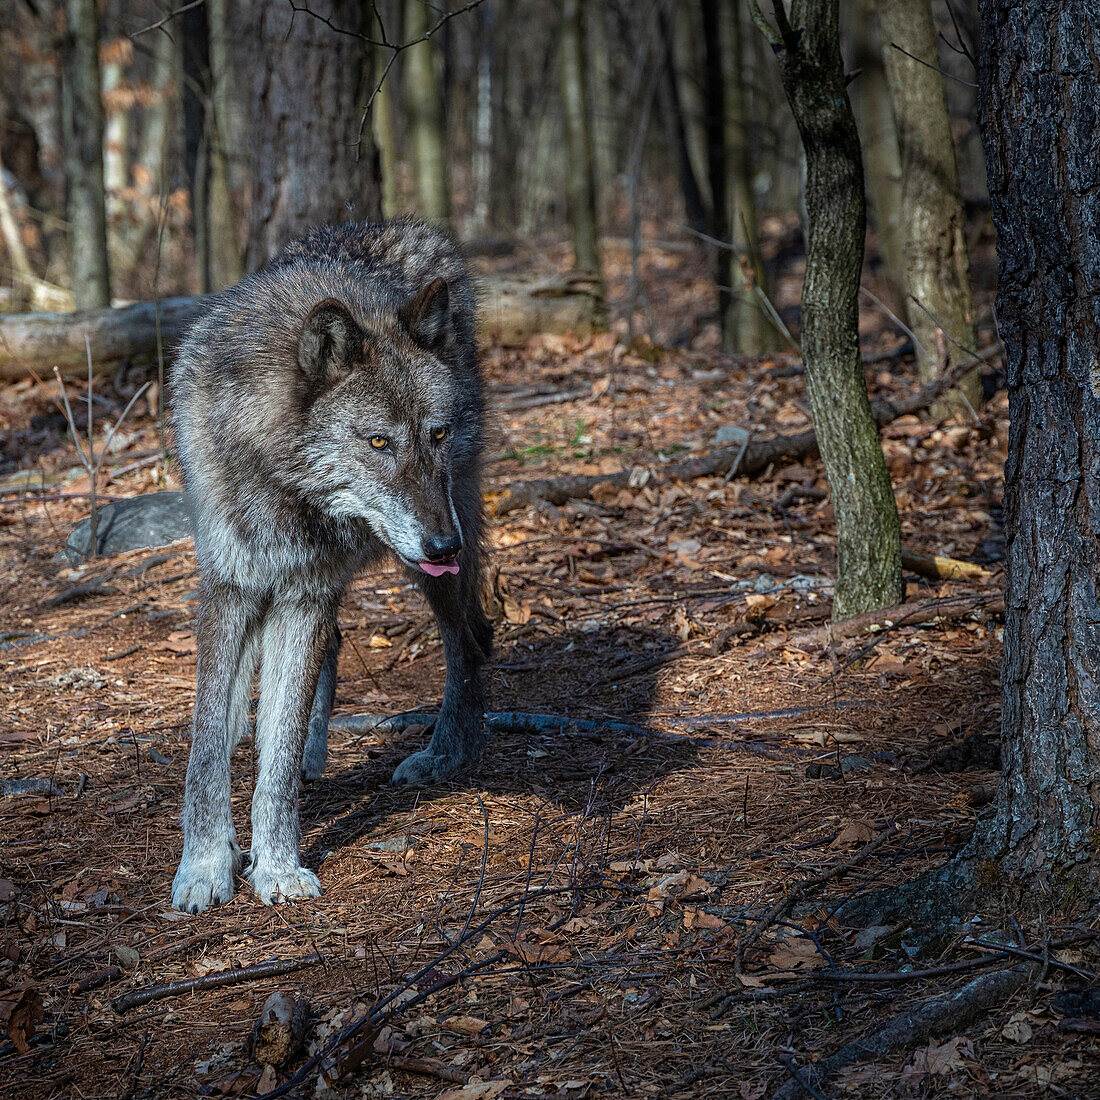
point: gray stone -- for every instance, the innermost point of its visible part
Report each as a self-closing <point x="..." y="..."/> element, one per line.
<point x="154" y="519"/>
<point x="731" y="435"/>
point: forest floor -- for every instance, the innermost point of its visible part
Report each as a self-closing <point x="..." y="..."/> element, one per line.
<point x="566" y="919"/>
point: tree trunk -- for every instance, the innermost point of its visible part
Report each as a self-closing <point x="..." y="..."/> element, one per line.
<point x="223" y="241"/>
<point x="881" y="160"/>
<point x="1040" y="91"/>
<point x="714" y="130"/>
<point x="424" y="102"/>
<point x="482" y="166"/>
<point x="753" y="331"/>
<point x="868" y="537"/>
<point x="580" y="169"/>
<point x="312" y="163"/>
<point x="937" y="266"/>
<point x="87" y="201"/>
<point x="672" y="115"/>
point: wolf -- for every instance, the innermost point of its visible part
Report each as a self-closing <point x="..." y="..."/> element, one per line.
<point x="329" y="413"/>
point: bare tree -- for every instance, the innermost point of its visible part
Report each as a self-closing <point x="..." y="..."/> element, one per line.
<point x="937" y="268"/>
<point x="83" y="124"/>
<point x="424" y="102"/>
<point x="580" y="170"/>
<point x="868" y="569"/>
<point x="312" y="161"/>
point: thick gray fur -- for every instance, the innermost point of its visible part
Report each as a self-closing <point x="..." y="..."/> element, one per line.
<point x="354" y="332"/>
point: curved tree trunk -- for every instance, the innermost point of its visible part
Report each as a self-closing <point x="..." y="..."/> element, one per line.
<point x="937" y="266"/>
<point x="868" y="570"/>
<point x="580" y="158"/>
<point x="1040" y="89"/>
<point x="424" y="102"/>
<point x="87" y="203"/>
<point x="313" y="162"/>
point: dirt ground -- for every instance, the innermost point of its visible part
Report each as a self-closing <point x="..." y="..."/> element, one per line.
<point x="566" y="919"/>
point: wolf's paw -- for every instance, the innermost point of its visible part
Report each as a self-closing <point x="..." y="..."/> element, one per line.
<point x="202" y="882"/>
<point x="286" y="884"/>
<point x="424" y="767"/>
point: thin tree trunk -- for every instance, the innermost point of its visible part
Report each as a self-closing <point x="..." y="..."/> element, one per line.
<point x="311" y="162"/>
<point x="868" y="570"/>
<point x="714" y="129"/>
<point x="580" y="159"/>
<point x="1040" y="78"/>
<point x="224" y="246"/>
<point x="424" y="103"/>
<point x="937" y="266"/>
<point x="483" y="123"/>
<point x="753" y="331"/>
<point x="879" y="139"/>
<point x="675" y="125"/>
<point x="194" y="39"/>
<point x="87" y="200"/>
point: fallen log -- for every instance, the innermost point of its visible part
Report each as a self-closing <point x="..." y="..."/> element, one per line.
<point x="746" y="459"/>
<point x="511" y="310"/>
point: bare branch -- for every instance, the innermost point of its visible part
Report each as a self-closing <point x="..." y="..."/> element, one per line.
<point x="167" y="19"/>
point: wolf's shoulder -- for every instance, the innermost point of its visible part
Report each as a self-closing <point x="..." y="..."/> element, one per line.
<point x="406" y="245"/>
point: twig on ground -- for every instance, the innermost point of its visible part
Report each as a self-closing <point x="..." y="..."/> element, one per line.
<point x="270" y="968"/>
<point x="803" y="889"/>
<point x="936" y="1016"/>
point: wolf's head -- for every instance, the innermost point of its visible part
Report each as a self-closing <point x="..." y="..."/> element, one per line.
<point x="389" y="423"/>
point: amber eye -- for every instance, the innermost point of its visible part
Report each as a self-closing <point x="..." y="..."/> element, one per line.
<point x="379" y="442"/>
<point x="439" y="434"/>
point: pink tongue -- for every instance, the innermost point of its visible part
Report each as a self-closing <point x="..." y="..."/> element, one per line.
<point x="437" y="570"/>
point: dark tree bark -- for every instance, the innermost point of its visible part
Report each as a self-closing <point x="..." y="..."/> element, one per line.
<point x="424" y="103"/>
<point x="672" y="117"/>
<point x="580" y="181"/>
<point x="87" y="199"/>
<point x="714" y="129"/>
<point x="1040" y="98"/>
<point x="313" y="161"/>
<point x="868" y="571"/>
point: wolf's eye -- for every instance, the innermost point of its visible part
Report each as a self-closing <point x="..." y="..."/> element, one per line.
<point x="379" y="442"/>
<point x="439" y="434"/>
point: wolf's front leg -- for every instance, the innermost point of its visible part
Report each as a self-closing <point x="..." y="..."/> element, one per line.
<point x="295" y="636"/>
<point x="459" y="733"/>
<point x="226" y="654"/>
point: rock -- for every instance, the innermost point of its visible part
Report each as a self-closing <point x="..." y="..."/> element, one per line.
<point x="731" y="435"/>
<point x="764" y="583"/>
<point x="854" y="763"/>
<point x="154" y="519"/>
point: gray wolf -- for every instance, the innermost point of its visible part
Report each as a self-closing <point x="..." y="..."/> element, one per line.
<point x="329" y="413"/>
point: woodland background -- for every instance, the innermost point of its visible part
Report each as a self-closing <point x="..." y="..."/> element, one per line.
<point x="743" y="828"/>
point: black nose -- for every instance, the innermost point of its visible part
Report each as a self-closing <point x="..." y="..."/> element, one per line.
<point x="442" y="547"/>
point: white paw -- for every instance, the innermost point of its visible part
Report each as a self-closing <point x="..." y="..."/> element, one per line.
<point x="205" y="881"/>
<point x="288" y="884"/>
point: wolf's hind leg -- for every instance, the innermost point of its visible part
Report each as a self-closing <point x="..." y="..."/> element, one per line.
<point x="459" y="733"/>
<point x="297" y="632"/>
<point x="240" y="700"/>
<point x="211" y="855"/>
<point x="316" y="752"/>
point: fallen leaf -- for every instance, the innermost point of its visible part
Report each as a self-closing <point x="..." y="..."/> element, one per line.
<point x="698" y="918"/>
<point x="1018" y="1029"/>
<point x="181" y="642"/>
<point x="939" y="1059"/>
<point x="853" y="835"/>
<point x="20" y="1013"/>
<point x="753" y="1089"/>
<point x="465" y="1025"/>
<point x="476" y="1089"/>
<point x="796" y="953"/>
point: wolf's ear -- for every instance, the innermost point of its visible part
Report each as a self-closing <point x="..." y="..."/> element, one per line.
<point x="426" y="313"/>
<point x="330" y="343"/>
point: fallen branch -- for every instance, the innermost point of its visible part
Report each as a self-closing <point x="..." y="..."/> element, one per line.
<point x="511" y="310"/>
<point x="917" y="1025"/>
<point x="270" y="968"/>
<point x="906" y="614"/>
<point x="751" y="459"/>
